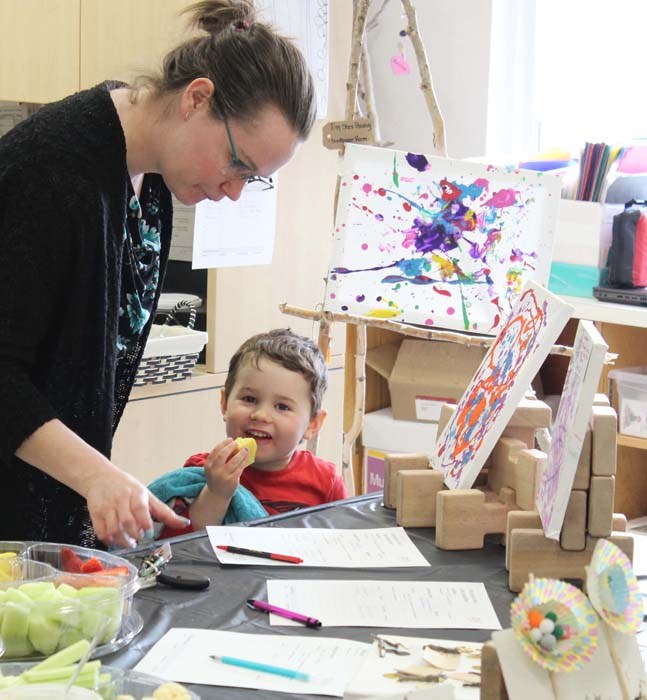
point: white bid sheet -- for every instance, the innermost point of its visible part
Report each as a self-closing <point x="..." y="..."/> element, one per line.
<point x="373" y="548"/>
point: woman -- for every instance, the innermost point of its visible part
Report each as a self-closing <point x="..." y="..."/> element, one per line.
<point x="85" y="229"/>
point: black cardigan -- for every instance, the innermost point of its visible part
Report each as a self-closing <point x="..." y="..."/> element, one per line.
<point x="63" y="184"/>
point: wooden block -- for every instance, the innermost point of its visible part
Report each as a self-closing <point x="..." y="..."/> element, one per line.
<point x="465" y="516"/>
<point x="416" y="497"/>
<point x="619" y="522"/>
<point x="492" y="683"/>
<point x="583" y="473"/>
<point x="601" y="493"/>
<point x="601" y="400"/>
<point x="447" y="410"/>
<point x="604" y="448"/>
<point x="504" y="456"/>
<point x="532" y="553"/>
<point x="525" y="434"/>
<point x="507" y="496"/>
<point x="519" y="520"/>
<point x="531" y="413"/>
<point x="395" y="462"/>
<point x="525" y="477"/>
<point x="573" y="535"/>
<point x="530" y="520"/>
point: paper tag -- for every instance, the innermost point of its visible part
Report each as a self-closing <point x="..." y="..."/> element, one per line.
<point x="633" y="418"/>
<point x="428" y="407"/>
<point x="336" y="134"/>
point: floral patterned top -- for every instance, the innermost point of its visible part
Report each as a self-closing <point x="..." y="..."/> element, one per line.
<point x="140" y="264"/>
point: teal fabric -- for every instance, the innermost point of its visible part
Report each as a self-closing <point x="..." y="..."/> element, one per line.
<point x="189" y="481"/>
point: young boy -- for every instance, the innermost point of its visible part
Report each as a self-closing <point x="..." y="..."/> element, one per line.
<point x="273" y="393"/>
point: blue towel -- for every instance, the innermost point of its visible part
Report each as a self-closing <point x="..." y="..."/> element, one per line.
<point x="189" y="481"/>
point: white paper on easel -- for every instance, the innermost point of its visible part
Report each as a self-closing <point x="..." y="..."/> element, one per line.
<point x="234" y="234"/>
<point x="569" y="429"/>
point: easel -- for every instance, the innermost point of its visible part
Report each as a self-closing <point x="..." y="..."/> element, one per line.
<point x="356" y="333"/>
<point x="355" y="378"/>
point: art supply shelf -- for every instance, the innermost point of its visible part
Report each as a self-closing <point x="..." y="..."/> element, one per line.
<point x="606" y="312"/>
<point x="630" y="441"/>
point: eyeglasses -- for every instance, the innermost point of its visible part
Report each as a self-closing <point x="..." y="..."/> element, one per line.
<point x="240" y="170"/>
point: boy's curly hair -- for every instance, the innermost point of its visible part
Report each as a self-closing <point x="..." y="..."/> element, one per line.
<point x="294" y="352"/>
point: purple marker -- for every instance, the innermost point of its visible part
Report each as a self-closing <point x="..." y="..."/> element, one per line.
<point x="297" y="617"/>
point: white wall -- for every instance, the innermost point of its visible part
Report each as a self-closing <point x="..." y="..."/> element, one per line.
<point x="456" y="36"/>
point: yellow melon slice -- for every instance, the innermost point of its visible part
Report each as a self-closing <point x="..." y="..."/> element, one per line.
<point x="250" y="445"/>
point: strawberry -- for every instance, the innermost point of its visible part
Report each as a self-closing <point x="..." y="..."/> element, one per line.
<point x="91" y="566"/>
<point x="71" y="561"/>
<point x="116" y="571"/>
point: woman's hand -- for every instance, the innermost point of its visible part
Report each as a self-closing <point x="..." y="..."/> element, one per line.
<point x="121" y="509"/>
<point x="119" y="505"/>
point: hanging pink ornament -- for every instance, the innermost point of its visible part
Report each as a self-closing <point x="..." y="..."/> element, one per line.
<point x="399" y="63"/>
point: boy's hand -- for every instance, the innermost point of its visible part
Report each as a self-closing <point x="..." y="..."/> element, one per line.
<point x="223" y="467"/>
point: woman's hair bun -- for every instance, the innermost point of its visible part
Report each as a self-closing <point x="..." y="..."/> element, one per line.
<point x="215" y="16"/>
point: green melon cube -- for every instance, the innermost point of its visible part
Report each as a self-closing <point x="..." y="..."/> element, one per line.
<point x="39" y="590"/>
<point x="44" y="633"/>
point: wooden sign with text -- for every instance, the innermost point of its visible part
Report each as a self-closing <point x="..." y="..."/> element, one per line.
<point x="336" y="134"/>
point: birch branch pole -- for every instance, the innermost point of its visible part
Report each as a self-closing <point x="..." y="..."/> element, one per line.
<point x="351" y="435"/>
<point x="425" y="74"/>
<point x="415" y="332"/>
<point x="360" y="10"/>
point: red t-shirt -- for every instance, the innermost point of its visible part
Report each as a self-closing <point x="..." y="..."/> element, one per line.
<point x="306" y="481"/>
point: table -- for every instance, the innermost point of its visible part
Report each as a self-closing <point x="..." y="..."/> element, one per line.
<point x="222" y="605"/>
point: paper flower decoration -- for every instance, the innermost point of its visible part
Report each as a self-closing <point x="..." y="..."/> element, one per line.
<point x="555" y="624"/>
<point x="613" y="588"/>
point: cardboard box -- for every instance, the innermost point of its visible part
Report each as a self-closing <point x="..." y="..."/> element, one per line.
<point x="424" y="374"/>
<point x="383" y="434"/>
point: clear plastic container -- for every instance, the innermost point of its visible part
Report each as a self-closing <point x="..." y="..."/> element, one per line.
<point x="111" y="682"/>
<point x="52" y="554"/>
<point x="19" y="571"/>
<point x="628" y="388"/>
<point x="9" y="550"/>
<point x="45" y="609"/>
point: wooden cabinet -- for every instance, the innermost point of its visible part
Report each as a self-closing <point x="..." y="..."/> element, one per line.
<point x="39" y="50"/>
<point x="52" y="48"/>
<point x="123" y="38"/>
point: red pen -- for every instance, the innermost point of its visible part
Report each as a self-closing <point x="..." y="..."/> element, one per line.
<point x="256" y="553"/>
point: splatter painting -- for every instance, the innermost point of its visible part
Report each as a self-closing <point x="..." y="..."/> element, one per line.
<point x="438" y="242"/>
<point x="569" y="427"/>
<point x="499" y="384"/>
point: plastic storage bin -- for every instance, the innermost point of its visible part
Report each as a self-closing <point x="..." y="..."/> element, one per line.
<point x="628" y="391"/>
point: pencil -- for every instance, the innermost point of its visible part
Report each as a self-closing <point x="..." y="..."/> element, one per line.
<point x="265" y="668"/>
<point x="257" y="553"/>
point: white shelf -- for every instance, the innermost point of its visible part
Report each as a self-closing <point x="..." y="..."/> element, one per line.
<point x="606" y="312"/>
